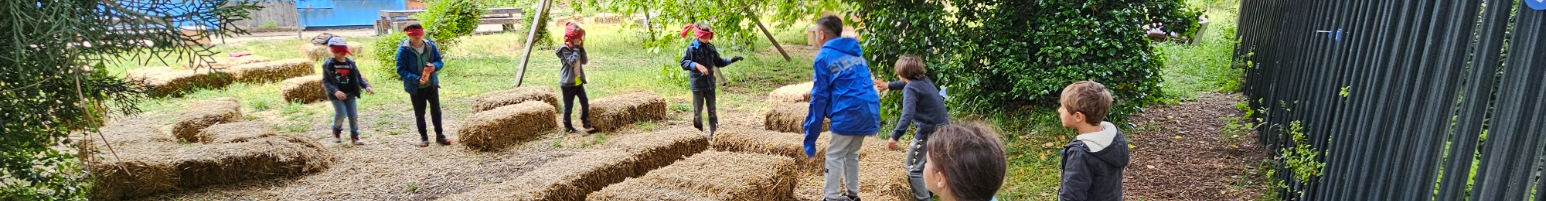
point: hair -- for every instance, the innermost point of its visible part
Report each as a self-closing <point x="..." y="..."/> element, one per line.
<point x="412" y="27"/>
<point x="703" y="26"/>
<point x="911" y="67"/>
<point x="1088" y="97"/>
<point x="831" y="24"/>
<point x="971" y="158"/>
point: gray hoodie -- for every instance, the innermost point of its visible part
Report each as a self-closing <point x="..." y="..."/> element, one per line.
<point x="573" y="57"/>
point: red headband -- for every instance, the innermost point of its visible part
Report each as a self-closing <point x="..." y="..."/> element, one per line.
<point x="339" y="49"/>
<point x="415" y="32"/>
<point x="572" y="31"/>
<point x="697" y="32"/>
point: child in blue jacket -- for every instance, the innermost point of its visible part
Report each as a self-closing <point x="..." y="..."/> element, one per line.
<point x="845" y="93"/>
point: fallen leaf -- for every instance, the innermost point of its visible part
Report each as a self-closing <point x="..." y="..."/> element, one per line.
<point x="1149" y="166"/>
<point x="1178" y="137"/>
<point x="1049" y="144"/>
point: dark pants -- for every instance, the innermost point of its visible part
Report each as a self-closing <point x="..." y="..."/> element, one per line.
<point x="430" y="97"/>
<point x="699" y="99"/>
<point x="570" y="93"/>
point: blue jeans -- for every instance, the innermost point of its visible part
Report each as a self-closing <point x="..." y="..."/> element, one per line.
<point x="342" y="109"/>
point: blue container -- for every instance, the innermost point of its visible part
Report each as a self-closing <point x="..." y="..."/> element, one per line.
<point x="337" y="13"/>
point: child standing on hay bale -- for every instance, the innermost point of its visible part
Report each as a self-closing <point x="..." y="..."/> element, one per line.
<point x="571" y="77"/>
<point x="844" y="91"/>
<point x="921" y="105"/>
<point x="700" y="60"/>
<point x="418" y="65"/>
<point x="342" y="79"/>
<point x="966" y="163"/>
<point x="1093" y="163"/>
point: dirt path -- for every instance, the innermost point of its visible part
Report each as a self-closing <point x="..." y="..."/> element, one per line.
<point x="1178" y="154"/>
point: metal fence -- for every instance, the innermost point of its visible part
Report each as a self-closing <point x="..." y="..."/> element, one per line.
<point x="1406" y="100"/>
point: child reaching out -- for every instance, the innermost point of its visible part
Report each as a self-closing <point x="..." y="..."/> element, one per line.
<point x="699" y="61"/>
<point x="342" y="79"/>
<point x="921" y="105"/>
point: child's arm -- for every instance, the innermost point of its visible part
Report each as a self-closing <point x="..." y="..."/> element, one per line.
<point x="584" y="57"/>
<point x="687" y="63"/>
<point x="327" y="78"/>
<point x="436" y="59"/>
<point x="1076" y="176"/>
<point x="406" y="71"/>
<point x="909" y="108"/>
<point x="820" y="99"/>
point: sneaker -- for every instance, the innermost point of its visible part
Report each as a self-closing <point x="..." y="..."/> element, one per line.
<point x="442" y="141"/>
<point x="424" y="143"/>
<point x="356" y="140"/>
<point x="336" y="139"/>
<point x="571" y="131"/>
<point x="589" y="129"/>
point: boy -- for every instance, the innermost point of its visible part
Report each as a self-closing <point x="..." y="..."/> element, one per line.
<point x="844" y="91"/>
<point x="571" y="77"/>
<point x="418" y="65"/>
<point x="967" y="163"/>
<point x="1094" y="161"/>
<point x="921" y="105"/>
<point x="342" y="79"/>
<point x="699" y="61"/>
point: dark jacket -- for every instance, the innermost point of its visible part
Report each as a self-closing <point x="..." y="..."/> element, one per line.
<point x="572" y="57"/>
<point x="921" y="105"/>
<point x="1094" y="175"/>
<point x="409" y="67"/>
<point x="704" y="54"/>
<point x="342" y="76"/>
<point x="843" y="91"/>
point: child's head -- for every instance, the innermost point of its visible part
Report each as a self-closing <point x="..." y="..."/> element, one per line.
<point x="414" y="31"/>
<point x="339" y="48"/>
<point x="830" y="27"/>
<point x="964" y="162"/>
<point x="1084" y="102"/>
<point x="910" y="67"/>
<point x="700" y="31"/>
<point x="573" y="34"/>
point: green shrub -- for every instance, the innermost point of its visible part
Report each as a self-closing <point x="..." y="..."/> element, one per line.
<point x="1007" y="54"/>
<point x="444" y="20"/>
<point x="385" y="49"/>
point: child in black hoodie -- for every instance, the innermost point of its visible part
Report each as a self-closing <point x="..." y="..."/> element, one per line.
<point x="342" y="79"/>
<point x="699" y="61"/>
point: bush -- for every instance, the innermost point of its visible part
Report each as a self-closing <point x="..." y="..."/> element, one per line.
<point x="444" y="20"/>
<point x="385" y="50"/>
<point x="1005" y="54"/>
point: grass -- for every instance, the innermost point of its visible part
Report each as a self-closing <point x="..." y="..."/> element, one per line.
<point x="1206" y="65"/>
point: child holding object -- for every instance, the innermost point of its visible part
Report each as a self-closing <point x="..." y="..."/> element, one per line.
<point x="700" y="60"/>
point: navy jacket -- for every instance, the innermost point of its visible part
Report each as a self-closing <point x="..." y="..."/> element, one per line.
<point x="1094" y="175"/>
<point x="704" y="54"/>
<point x="342" y="76"/>
<point x="921" y="105"/>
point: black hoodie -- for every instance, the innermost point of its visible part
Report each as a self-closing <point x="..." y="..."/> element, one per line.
<point x="1094" y="175"/>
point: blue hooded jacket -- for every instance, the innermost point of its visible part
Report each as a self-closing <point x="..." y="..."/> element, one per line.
<point x="843" y="91"/>
<point x="409" y="67"/>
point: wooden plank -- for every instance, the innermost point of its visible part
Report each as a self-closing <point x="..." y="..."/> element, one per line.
<point x="530" y="40"/>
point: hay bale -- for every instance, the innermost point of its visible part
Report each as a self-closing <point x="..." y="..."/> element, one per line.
<point x="224" y="62"/>
<point x="881" y="173"/>
<point x="165" y="82"/>
<point x="569" y="178"/>
<point x="508" y="125"/>
<point x="495" y="99"/>
<point x="661" y="148"/>
<point x="711" y="176"/>
<point x="316" y="52"/>
<point x="253" y="157"/>
<point x="131" y="179"/>
<point x="737" y="139"/>
<point x="793" y="93"/>
<point x="789" y="117"/>
<point x="619" y="110"/>
<point x="304" y="89"/>
<point x="272" y="71"/>
<point x="238" y="132"/>
<point x="191" y="123"/>
<point x="606" y="18"/>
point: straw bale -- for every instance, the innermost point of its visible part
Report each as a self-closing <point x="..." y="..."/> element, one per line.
<point x="130" y="179"/>
<point x="304" y="89"/>
<point x="794" y="93"/>
<point x="711" y="175"/>
<point x="789" y="117"/>
<point x="508" y="125"/>
<point x="267" y="157"/>
<point x="882" y="175"/>
<point x="569" y="178"/>
<point x="145" y="163"/>
<point x="737" y="139"/>
<point x="619" y="110"/>
<point x="202" y="114"/>
<point x="164" y="82"/>
<point x="661" y="148"/>
<point x="495" y="99"/>
<point x="606" y="18"/>
<point x="316" y="52"/>
<point x="238" y="132"/>
<point x="224" y="62"/>
<point x="272" y="71"/>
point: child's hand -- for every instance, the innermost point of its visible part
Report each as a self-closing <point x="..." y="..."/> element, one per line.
<point x="701" y="69"/>
<point x="424" y="80"/>
<point x="881" y="85"/>
<point x="340" y="95"/>
<point x="371" y="91"/>
<point x="891" y="145"/>
<point x="735" y="59"/>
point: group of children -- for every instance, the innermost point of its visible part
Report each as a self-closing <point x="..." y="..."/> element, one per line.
<point x="954" y="162"/>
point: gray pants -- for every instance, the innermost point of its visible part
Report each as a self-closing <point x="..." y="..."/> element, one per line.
<point x="842" y="167"/>
<point x="914" y="164"/>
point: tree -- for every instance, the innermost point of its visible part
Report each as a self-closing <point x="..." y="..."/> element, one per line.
<point x="735" y="21"/>
<point x="54" y="83"/>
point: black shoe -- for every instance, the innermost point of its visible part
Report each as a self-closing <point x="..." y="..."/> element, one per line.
<point x="442" y="140"/>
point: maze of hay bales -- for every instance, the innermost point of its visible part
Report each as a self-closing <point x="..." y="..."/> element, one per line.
<point x="147" y="161"/>
<point x="573" y="177"/>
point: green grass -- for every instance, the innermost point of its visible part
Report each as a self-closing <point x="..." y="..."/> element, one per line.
<point x="1204" y="66"/>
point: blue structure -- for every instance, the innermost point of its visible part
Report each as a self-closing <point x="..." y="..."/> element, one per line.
<point x="336" y="13"/>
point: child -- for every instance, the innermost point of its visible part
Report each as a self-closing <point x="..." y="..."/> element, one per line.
<point x="700" y="60"/>
<point x="571" y="77"/>
<point x="966" y="163"/>
<point x="1094" y="161"/>
<point x="921" y="104"/>
<point x="343" y="81"/>
<point x="418" y="65"/>
<point x="843" y="91"/>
